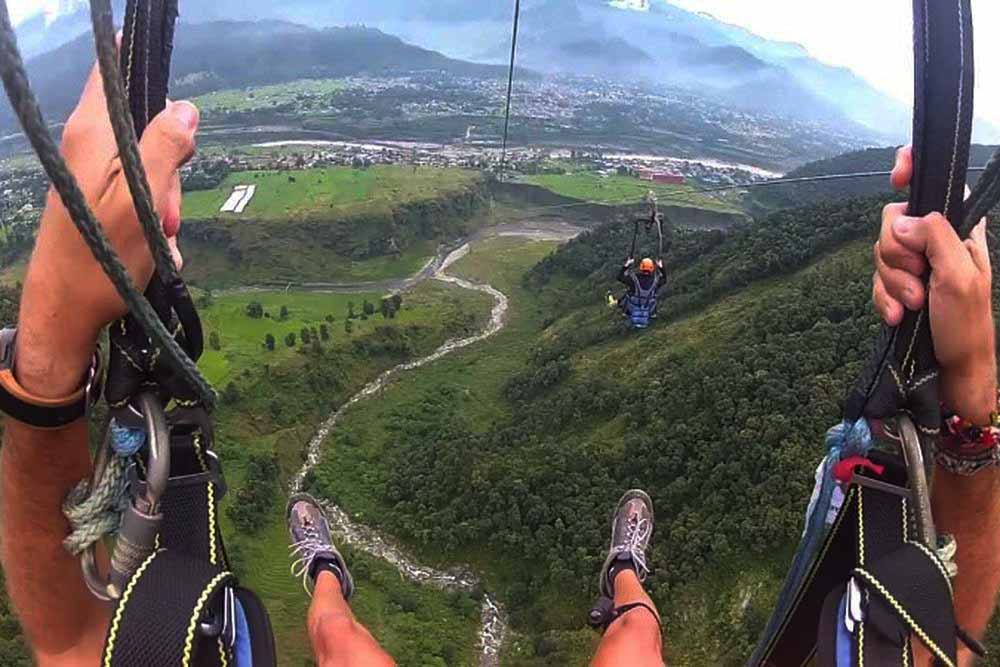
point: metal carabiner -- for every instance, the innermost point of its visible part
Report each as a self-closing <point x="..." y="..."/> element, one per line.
<point x="141" y="520"/>
<point x="919" y="481"/>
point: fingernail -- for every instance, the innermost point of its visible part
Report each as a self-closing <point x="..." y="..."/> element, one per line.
<point x="186" y="113"/>
<point x="902" y="225"/>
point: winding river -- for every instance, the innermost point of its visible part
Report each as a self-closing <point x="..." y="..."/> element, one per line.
<point x="493" y="627"/>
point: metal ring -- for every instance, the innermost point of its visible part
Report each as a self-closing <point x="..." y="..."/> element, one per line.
<point x="920" y="488"/>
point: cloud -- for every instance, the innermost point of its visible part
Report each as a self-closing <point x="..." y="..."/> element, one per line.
<point x="874" y="38"/>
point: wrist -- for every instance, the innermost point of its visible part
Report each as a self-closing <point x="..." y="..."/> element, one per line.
<point x="971" y="393"/>
<point x="54" y="347"/>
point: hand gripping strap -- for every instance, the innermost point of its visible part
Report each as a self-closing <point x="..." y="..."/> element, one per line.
<point x="902" y="370"/>
<point x="156" y="623"/>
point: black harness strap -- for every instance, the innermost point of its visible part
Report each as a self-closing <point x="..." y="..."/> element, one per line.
<point x="871" y="551"/>
<point x="141" y="634"/>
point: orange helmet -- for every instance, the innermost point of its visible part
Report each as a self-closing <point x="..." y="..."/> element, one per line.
<point x="646" y="266"/>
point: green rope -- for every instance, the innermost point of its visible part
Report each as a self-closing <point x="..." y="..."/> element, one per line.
<point x="96" y="512"/>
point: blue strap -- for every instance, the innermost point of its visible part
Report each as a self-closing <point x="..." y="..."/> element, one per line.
<point x="243" y="651"/>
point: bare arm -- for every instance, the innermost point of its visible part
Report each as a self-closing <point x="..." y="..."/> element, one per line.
<point x="66" y="301"/>
<point x="960" y="300"/>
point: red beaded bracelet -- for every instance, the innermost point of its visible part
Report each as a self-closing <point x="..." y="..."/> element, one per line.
<point x="965" y="448"/>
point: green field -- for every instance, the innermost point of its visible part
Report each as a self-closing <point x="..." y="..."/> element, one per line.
<point x="328" y="192"/>
<point x="280" y="398"/>
<point x="262" y="98"/>
<point x="621" y="190"/>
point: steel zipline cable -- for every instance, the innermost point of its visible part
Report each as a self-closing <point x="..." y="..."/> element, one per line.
<point x="25" y="105"/>
<point x="510" y="88"/>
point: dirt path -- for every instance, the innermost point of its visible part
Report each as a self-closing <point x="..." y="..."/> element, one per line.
<point x="493" y="628"/>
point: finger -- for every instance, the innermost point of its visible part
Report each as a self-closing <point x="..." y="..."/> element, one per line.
<point x="903" y="287"/>
<point x="890" y="310"/>
<point x="902" y="172"/>
<point x="175" y="252"/>
<point x="166" y="145"/>
<point x="978" y="247"/>
<point x="891" y="251"/>
<point x="934" y="237"/>
<point x="170" y="214"/>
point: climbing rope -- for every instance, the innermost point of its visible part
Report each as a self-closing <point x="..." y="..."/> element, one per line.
<point x="25" y="106"/>
<point x="510" y="88"/>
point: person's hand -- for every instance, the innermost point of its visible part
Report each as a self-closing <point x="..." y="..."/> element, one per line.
<point x="67" y="298"/>
<point x="959" y="292"/>
<point x="629" y="262"/>
<point x="659" y="263"/>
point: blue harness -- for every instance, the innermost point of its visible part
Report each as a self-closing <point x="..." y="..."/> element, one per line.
<point x="640" y="304"/>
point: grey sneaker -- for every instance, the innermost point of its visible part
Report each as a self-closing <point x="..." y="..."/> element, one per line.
<point x="312" y="547"/>
<point x="631" y="530"/>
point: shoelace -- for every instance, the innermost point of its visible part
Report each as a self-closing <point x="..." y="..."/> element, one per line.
<point x="305" y="551"/>
<point x="637" y="534"/>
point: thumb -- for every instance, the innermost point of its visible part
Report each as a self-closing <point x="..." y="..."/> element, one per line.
<point x="978" y="248"/>
<point x="932" y="236"/>
<point x="167" y="144"/>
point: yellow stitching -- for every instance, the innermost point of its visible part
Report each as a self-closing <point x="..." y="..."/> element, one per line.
<point x="906" y="617"/>
<point x="224" y="658"/>
<point x="851" y="492"/>
<point x="120" y="610"/>
<point x="196" y="443"/>
<point x="899" y="383"/>
<point x="927" y="378"/>
<point x="196" y="614"/>
<point x="212" y="555"/>
<point x="861" y="645"/>
<point x="906" y="651"/>
<point x="861" y="526"/>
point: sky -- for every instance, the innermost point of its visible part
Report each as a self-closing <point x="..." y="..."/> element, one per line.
<point x="872" y="37"/>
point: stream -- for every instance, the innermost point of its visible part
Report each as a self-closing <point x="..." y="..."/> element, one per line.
<point x="493" y="627"/>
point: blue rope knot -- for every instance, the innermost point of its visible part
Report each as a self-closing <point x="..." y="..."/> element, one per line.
<point x="126" y="441"/>
<point x="849" y="439"/>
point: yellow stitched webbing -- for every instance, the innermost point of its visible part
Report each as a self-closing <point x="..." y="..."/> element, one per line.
<point x="120" y="610"/>
<point x="196" y="614"/>
<point x="919" y="631"/>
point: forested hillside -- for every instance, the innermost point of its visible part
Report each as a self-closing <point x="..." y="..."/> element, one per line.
<point x="719" y="411"/>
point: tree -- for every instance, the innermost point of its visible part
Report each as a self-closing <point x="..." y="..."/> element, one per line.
<point x="269" y="342"/>
<point x="214" y="342"/>
<point x="350" y="310"/>
<point x="231" y="394"/>
<point x="324" y="332"/>
<point x="329" y="318"/>
<point x="284" y="314"/>
<point x="397" y="302"/>
<point x="254" y="310"/>
<point x="205" y="300"/>
<point x="290" y="339"/>
<point x="348" y="327"/>
<point x="305" y="335"/>
<point x="385" y="308"/>
<point x="368" y="308"/>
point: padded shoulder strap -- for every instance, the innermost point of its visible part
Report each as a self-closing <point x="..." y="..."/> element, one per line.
<point x="141" y="633"/>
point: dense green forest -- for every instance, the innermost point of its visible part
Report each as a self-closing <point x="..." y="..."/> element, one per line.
<point x="719" y="411"/>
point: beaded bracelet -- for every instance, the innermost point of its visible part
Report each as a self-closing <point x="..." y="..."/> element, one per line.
<point x="965" y="448"/>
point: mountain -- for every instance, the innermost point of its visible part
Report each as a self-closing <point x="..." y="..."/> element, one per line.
<point x="661" y="44"/>
<point x="252" y="53"/>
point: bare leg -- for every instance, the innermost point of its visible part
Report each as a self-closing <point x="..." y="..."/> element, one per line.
<point x="634" y="639"/>
<point x="338" y="640"/>
<point x="62" y="621"/>
<point x="969" y="509"/>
